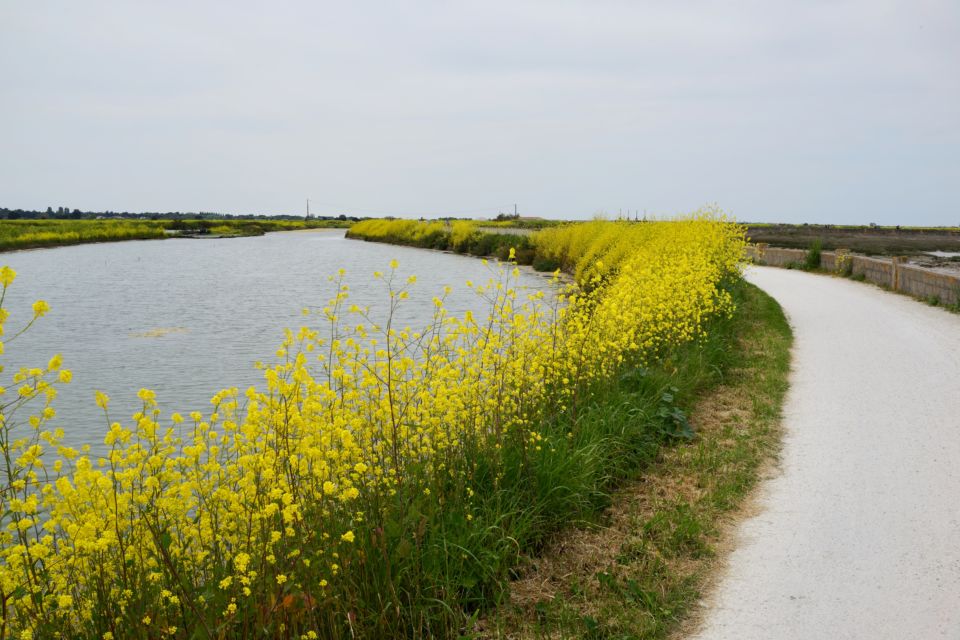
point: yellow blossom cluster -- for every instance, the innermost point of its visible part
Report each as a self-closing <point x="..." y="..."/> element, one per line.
<point x="411" y="232"/>
<point x="263" y="516"/>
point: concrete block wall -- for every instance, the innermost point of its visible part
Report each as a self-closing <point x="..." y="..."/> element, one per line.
<point x="875" y="270"/>
<point x="774" y="256"/>
<point x="891" y="273"/>
<point x="828" y="260"/>
<point x="927" y="284"/>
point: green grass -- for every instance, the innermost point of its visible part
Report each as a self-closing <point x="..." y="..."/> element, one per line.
<point x="31" y="234"/>
<point x="637" y="571"/>
<point x="935" y="301"/>
<point x="535" y="494"/>
<point x="441" y="574"/>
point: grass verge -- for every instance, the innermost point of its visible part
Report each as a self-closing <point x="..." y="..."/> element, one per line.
<point x="521" y="502"/>
<point x="637" y="571"/>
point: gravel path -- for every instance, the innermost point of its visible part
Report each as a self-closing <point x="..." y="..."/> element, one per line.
<point x="857" y="535"/>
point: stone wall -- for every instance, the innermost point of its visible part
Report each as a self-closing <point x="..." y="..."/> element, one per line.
<point x="776" y="257"/>
<point x="891" y="273"/>
<point x="875" y="270"/>
<point x="927" y="284"/>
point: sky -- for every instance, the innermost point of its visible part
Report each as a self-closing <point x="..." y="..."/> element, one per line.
<point x="810" y="111"/>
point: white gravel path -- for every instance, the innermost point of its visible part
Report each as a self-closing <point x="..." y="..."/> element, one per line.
<point x="858" y="533"/>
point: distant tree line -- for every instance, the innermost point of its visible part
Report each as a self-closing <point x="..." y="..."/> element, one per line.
<point x="65" y="213"/>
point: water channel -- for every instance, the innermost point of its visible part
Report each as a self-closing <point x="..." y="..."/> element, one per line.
<point x="188" y="317"/>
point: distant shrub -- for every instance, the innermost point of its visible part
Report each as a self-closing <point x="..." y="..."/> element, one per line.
<point x="541" y="263"/>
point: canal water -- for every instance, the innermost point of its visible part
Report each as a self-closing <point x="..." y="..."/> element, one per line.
<point x="188" y="317"/>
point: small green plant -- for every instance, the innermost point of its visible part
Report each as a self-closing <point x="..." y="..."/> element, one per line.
<point x="859" y="277"/>
<point x="812" y="262"/>
<point x="674" y="423"/>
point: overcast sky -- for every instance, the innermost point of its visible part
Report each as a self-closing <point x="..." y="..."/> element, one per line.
<point x="807" y="111"/>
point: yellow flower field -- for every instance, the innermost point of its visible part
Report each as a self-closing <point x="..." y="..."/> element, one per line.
<point x="370" y="487"/>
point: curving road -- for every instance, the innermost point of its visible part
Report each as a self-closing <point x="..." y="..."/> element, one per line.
<point x="858" y="533"/>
